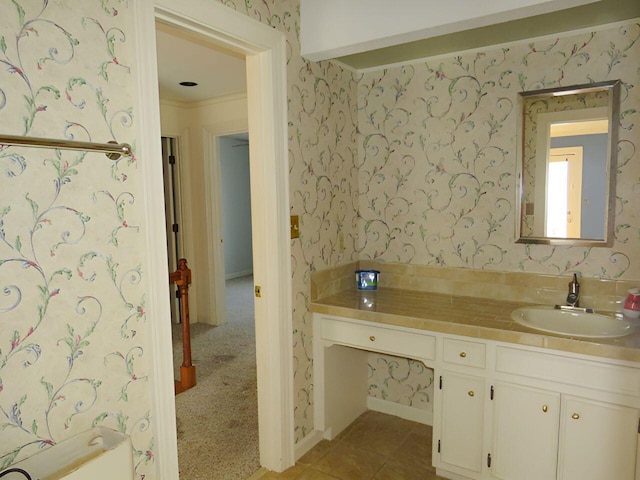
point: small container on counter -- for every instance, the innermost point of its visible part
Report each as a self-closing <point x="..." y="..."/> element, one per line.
<point x="367" y="279"/>
<point x="632" y="304"/>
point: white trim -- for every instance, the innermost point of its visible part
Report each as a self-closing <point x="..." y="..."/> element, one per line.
<point x="496" y="46"/>
<point x="149" y="152"/>
<point x="232" y="97"/>
<point x="243" y="273"/>
<point x="217" y="100"/>
<point x="213" y="212"/>
<point x="267" y="102"/>
<point x="307" y="443"/>
<point x="450" y="475"/>
<point x="399" y="410"/>
<point x="265" y="51"/>
<point x="543" y="146"/>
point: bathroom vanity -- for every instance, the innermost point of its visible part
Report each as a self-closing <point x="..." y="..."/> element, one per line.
<point x="510" y="403"/>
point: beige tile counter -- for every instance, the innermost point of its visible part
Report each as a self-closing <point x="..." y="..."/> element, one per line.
<point x="467" y="316"/>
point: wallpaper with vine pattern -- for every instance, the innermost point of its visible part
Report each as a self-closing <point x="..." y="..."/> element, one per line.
<point x="73" y="330"/>
<point x="438" y="152"/>
<point x="426" y="177"/>
<point x="437" y="168"/>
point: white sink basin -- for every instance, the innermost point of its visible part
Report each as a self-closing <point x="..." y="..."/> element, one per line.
<point x="572" y="323"/>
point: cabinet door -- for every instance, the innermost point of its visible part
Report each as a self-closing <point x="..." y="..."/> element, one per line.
<point x="597" y="441"/>
<point x="525" y="436"/>
<point x="462" y="420"/>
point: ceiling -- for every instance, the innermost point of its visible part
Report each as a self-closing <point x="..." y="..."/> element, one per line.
<point x="219" y="72"/>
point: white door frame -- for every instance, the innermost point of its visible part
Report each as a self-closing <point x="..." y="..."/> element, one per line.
<point x="265" y="53"/>
<point x="213" y="199"/>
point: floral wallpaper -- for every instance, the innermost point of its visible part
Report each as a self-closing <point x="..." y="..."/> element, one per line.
<point x="438" y="151"/>
<point x="73" y="331"/>
<point x="411" y="164"/>
<point x="401" y="380"/>
<point x="437" y="164"/>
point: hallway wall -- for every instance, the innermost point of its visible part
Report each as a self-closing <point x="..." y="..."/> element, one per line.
<point x="235" y="193"/>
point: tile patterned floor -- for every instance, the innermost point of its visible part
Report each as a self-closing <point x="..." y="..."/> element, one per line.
<point x="375" y="447"/>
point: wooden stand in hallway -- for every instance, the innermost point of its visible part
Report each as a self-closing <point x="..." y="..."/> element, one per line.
<point x="182" y="278"/>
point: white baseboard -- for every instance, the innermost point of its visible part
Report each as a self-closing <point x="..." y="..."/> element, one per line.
<point x="403" y="411"/>
<point x="450" y="475"/>
<point x="243" y="273"/>
<point x="306" y="444"/>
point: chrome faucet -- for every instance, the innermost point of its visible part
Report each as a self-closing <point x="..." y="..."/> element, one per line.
<point x="573" y="298"/>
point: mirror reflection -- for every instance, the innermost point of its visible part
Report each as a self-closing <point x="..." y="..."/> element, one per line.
<point x="567" y="165"/>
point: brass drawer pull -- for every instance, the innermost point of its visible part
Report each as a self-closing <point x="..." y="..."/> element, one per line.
<point x="463" y="354"/>
<point x="545" y="409"/>
<point x="575" y="416"/>
<point x="372" y="338"/>
<point x="471" y="394"/>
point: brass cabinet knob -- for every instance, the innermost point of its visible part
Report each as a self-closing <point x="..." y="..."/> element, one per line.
<point x="463" y="354"/>
<point x="372" y="338"/>
<point x="575" y="416"/>
<point x="471" y="393"/>
<point x="545" y="409"/>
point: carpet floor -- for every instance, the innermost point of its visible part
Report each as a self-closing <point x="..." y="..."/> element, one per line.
<point x="217" y="420"/>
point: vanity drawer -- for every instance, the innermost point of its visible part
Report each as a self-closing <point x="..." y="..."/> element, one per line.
<point x="395" y="341"/>
<point x="568" y="370"/>
<point x="463" y="352"/>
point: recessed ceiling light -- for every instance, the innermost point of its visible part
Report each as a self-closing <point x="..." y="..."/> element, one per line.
<point x="188" y="84"/>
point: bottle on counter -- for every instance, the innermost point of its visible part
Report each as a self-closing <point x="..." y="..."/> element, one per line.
<point x="632" y="303"/>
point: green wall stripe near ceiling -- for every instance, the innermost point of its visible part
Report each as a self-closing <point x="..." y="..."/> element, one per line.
<point x="599" y="13"/>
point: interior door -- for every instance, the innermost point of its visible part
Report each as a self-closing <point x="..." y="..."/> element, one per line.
<point x="564" y="193"/>
<point x="171" y="210"/>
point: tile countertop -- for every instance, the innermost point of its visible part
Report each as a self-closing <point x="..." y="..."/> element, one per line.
<point x="466" y="316"/>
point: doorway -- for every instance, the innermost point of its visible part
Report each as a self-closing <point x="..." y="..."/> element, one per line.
<point x="265" y="53"/>
<point x="235" y="200"/>
<point x="564" y="193"/>
<point x="223" y="351"/>
<point x="172" y="215"/>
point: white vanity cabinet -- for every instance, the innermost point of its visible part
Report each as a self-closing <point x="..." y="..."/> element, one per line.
<point x="462" y="415"/>
<point x="525" y="432"/>
<point x="502" y="411"/>
<point x="549" y="426"/>
<point x="539" y="434"/>
<point x="459" y="412"/>
<point x="597" y="440"/>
